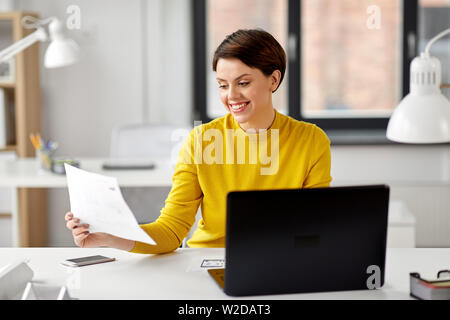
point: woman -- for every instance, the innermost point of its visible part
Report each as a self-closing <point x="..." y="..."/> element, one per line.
<point x="250" y="66"/>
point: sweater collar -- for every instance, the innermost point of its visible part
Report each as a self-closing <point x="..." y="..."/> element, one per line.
<point x="275" y="124"/>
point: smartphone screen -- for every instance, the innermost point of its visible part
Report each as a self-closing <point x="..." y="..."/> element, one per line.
<point x="87" y="260"/>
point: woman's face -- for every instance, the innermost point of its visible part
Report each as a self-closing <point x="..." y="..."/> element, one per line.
<point x="245" y="92"/>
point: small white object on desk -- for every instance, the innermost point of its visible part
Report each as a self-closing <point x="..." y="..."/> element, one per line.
<point x="14" y="278"/>
<point x="34" y="291"/>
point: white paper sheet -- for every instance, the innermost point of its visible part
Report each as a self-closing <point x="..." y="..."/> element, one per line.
<point x="96" y="200"/>
<point x="205" y="263"/>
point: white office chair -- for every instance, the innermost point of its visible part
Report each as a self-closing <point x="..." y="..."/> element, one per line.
<point x="148" y="141"/>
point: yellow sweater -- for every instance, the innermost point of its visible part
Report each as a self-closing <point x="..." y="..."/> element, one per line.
<point x="219" y="157"/>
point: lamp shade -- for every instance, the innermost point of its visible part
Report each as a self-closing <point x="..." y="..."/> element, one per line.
<point x="423" y="116"/>
<point x="61" y="51"/>
<point x="421" y="119"/>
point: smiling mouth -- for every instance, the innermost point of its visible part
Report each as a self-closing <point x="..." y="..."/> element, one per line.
<point x="239" y="107"/>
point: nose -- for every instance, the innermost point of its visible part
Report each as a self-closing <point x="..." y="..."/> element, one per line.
<point x="233" y="93"/>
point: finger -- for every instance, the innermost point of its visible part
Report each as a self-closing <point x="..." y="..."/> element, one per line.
<point x="80" y="230"/>
<point x="68" y="216"/>
<point x="79" y="239"/>
<point x="81" y="236"/>
<point x="72" y="224"/>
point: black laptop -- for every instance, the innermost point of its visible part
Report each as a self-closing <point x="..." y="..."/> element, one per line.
<point x="304" y="240"/>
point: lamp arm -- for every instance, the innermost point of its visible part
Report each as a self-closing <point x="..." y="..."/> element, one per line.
<point x="436" y="38"/>
<point x="30" y="22"/>
<point x="38" y="35"/>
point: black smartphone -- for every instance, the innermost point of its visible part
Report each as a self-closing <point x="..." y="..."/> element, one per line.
<point x="84" y="261"/>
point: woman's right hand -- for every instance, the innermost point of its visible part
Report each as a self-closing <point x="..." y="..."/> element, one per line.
<point x="84" y="239"/>
<point x="81" y="235"/>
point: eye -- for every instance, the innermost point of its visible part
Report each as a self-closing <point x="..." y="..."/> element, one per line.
<point x="222" y="86"/>
<point x="243" y="83"/>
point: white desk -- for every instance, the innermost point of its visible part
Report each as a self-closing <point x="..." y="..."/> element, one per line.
<point x="24" y="173"/>
<point x="136" y="276"/>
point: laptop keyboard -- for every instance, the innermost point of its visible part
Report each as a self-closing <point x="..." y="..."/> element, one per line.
<point x="218" y="275"/>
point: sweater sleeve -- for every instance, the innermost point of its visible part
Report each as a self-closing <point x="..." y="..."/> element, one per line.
<point x="320" y="163"/>
<point x="181" y="205"/>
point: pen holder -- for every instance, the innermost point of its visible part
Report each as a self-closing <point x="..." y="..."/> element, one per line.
<point x="44" y="159"/>
<point x="58" y="164"/>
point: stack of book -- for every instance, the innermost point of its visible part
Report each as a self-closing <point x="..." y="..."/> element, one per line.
<point x="7" y="119"/>
<point x="438" y="289"/>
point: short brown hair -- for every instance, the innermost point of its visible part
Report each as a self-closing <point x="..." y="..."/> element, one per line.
<point x="254" y="47"/>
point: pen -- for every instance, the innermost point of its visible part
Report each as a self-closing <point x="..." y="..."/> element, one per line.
<point x="39" y="139"/>
<point x="34" y="141"/>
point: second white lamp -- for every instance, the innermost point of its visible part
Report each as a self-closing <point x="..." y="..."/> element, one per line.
<point x="423" y="116"/>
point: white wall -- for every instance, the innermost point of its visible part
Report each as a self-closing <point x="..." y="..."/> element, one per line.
<point x="169" y="51"/>
<point x="110" y="86"/>
<point x="136" y="67"/>
<point x="83" y="102"/>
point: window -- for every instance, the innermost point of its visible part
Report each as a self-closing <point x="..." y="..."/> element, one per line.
<point x="343" y="72"/>
<point x="434" y="17"/>
<point x="351" y="62"/>
<point x="225" y="17"/>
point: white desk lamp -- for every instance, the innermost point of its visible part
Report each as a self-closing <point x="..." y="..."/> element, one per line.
<point x="423" y="116"/>
<point x="61" y="51"/>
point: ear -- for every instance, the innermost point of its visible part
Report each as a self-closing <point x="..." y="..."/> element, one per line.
<point x="275" y="80"/>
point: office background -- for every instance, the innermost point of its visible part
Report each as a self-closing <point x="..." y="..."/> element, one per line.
<point x="137" y="67"/>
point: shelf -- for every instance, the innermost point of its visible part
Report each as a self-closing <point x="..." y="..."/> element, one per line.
<point x="25" y="94"/>
<point x="7" y="85"/>
<point x="8" y="148"/>
<point x="15" y="15"/>
<point x="9" y="15"/>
